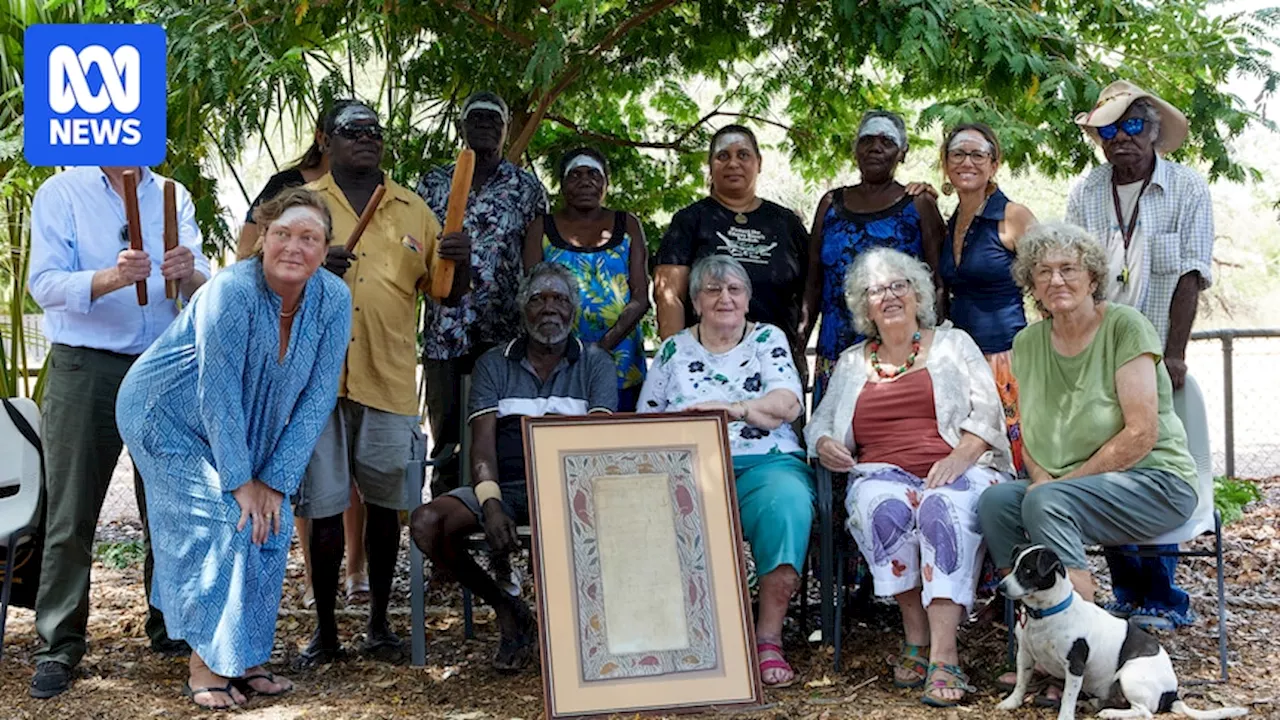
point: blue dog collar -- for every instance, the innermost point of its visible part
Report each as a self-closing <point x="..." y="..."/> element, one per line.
<point x="1042" y="614"/>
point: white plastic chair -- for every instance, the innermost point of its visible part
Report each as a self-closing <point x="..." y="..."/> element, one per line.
<point x="19" y="490"/>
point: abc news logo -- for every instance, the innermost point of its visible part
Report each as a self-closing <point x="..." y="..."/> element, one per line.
<point x="95" y="95"/>
<point x="69" y="89"/>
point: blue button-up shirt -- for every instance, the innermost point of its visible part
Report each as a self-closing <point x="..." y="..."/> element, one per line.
<point x="76" y="222"/>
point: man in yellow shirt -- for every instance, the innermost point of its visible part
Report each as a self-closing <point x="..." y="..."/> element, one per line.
<point x="373" y="434"/>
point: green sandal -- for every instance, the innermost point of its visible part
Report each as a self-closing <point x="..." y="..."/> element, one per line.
<point x="958" y="681"/>
<point x="910" y="659"/>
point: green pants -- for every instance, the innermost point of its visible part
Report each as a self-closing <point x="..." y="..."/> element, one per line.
<point x="81" y="448"/>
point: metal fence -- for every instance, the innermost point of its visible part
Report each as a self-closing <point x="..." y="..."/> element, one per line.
<point x="1239" y="373"/>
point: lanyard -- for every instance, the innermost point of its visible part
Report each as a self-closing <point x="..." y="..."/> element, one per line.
<point x="1127" y="231"/>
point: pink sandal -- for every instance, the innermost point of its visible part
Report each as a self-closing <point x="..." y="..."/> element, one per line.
<point x="777" y="663"/>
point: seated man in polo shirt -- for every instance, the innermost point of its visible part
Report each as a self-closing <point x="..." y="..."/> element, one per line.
<point x="545" y="371"/>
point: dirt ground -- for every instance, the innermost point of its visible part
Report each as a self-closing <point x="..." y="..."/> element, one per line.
<point x="121" y="679"/>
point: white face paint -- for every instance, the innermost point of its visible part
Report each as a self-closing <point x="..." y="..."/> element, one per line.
<point x="299" y="216"/>
<point x="883" y="127"/>
<point x="485" y="105"/>
<point x="973" y="137"/>
<point x="730" y="139"/>
<point x="353" y="114"/>
<point x="548" y="314"/>
<point x="583" y="161"/>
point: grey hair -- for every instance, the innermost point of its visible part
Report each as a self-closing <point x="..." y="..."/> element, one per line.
<point x="543" y="269"/>
<point x="880" y="264"/>
<point x="1071" y="240"/>
<point x="892" y="117"/>
<point x="1151" y="114"/>
<point x="716" y="267"/>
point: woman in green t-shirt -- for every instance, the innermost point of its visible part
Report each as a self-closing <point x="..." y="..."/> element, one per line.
<point x="1106" y="454"/>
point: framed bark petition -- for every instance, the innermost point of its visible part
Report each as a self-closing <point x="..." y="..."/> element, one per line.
<point x="637" y="550"/>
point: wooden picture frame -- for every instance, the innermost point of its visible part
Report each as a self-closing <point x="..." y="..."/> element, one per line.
<point x="635" y="518"/>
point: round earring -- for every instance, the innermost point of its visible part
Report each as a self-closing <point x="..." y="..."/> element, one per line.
<point x="948" y="188"/>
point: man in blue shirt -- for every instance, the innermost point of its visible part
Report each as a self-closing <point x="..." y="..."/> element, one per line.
<point x="82" y="273"/>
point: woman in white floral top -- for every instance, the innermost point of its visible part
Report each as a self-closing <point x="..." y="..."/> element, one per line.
<point x="726" y="363"/>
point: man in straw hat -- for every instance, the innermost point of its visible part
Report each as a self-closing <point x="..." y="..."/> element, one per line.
<point x="1155" y="217"/>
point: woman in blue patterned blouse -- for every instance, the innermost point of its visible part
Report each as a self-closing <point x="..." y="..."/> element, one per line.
<point x="221" y="415"/>
<point x="605" y="250"/>
<point x="877" y="212"/>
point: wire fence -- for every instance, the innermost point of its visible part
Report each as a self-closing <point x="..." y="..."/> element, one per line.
<point x="1244" y="425"/>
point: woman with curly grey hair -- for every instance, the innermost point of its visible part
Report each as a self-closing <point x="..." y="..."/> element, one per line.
<point x="1106" y="454"/>
<point x="912" y="414"/>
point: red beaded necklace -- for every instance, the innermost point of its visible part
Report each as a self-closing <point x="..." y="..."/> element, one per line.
<point x="894" y="372"/>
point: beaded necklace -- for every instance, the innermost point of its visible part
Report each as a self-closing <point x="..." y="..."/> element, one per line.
<point x="894" y="372"/>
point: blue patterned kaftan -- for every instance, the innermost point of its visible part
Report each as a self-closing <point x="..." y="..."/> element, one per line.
<point x="204" y="410"/>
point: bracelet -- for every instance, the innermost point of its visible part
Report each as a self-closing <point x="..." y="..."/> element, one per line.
<point x="487" y="490"/>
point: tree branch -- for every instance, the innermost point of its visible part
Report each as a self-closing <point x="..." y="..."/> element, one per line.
<point x="572" y="71"/>
<point x="676" y="144"/>
<point x="523" y="41"/>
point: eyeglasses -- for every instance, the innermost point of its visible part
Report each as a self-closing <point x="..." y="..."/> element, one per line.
<point x="355" y="132"/>
<point x="979" y="157"/>
<point x="1132" y="127"/>
<point x="897" y="288"/>
<point x="735" y="290"/>
<point x="1068" y="273"/>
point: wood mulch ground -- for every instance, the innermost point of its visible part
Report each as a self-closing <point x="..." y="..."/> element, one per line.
<point x="121" y="679"/>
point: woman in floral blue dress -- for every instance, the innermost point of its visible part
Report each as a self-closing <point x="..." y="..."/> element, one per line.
<point x="877" y="212"/>
<point x="605" y="250"/>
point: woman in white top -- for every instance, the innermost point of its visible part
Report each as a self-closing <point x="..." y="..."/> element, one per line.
<point x="726" y="363"/>
<point x="912" y="414"/>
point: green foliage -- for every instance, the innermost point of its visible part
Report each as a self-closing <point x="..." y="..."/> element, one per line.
<point x="120" y="555"/>
<point x="1231" y="495"/>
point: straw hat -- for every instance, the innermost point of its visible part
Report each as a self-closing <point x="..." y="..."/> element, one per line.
<point x="1116" y="98"/>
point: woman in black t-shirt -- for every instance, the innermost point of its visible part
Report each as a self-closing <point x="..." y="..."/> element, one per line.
<point x="312" y="166"/>
<point x="768" y="239"/>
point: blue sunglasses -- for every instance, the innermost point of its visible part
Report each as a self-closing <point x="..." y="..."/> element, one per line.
<point x="1131" y="127"/>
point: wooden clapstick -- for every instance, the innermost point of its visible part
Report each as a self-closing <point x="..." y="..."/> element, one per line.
<point x="365" y="217"/>
<point x="442" y="275"/>
<point x="170" y="231"/>
<point x="133" y="218"/>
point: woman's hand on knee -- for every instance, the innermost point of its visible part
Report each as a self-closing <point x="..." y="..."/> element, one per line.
<point x="946" y="471"/>
<point x="833" y="455"/>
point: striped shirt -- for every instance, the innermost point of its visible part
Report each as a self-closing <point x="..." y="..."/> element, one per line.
<point x="505" y="382"/>
<point x="1175" y="219"/>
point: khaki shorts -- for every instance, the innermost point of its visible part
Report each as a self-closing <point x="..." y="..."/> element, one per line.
<point x="383" y="453"/>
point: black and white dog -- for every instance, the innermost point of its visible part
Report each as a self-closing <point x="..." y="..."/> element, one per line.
<point x="1087" y="647"/>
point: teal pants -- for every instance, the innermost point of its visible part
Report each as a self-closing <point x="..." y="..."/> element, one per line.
<point x="775" y="502"/>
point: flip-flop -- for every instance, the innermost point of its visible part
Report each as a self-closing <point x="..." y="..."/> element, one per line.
<point x="357" y="590"/>
<point x="246" y="688"/>
<point x="958" y="681"/>
<point x="778" y="663"/>
<point x="910" y="660"/>
<point x="190" y="693"/>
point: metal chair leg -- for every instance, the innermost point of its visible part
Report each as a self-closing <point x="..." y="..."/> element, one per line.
<point x="468" y="622"/>
<point x="837" y="630"/>
<point x="1222" y="598"/>
<point x="804" y="595"/>
<point x="8" y="587"/>
<point x="1009" y="620"/>
<point x="417" y="605"/>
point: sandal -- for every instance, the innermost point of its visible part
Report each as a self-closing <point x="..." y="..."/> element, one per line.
<point x="1039" y="681"/>
<point x="910" y="660"/>
<point x="244" y="684"/>
<point x="191" y="694"/>
<point x="958" y="681"/>
<point x="308" y="598"/>
<point x="357" y="589"/>
<point x="774" y="663"/>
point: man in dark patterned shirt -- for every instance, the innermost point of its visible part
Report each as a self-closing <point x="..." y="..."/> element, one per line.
<point x="504" y="199"/>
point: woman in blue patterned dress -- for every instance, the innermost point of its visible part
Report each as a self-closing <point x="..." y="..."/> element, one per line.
<point x="877" y="212"/>
<point x="605" y="250"/>
<point x="220" y="416"/>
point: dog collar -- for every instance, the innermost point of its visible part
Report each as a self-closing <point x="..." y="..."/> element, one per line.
<point x="1042" y="614"/>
